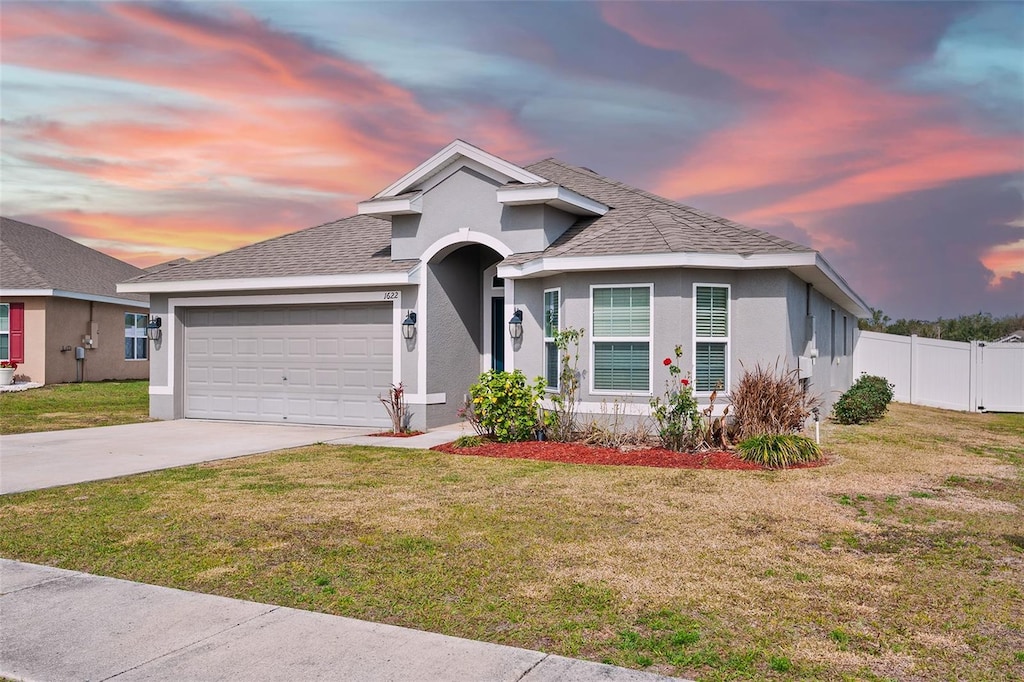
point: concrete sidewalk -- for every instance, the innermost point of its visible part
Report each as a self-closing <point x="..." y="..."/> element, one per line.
<point x="63" y="625"/>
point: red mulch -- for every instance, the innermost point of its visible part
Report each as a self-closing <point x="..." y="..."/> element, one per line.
<point x="579" y="453"/>
<point x="392" y="434"/>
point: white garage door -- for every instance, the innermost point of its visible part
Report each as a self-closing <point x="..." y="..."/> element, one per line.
<point x="307" y="365"/>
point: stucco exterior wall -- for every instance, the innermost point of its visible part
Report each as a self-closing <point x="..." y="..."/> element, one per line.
<point x="34" y="366"/>
<point x="68" y="321"/>
<point x="762" y="324"/>
<point x="466" y="200"/>
<point x="455" y="329"/>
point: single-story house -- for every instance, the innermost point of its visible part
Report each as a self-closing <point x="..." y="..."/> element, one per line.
<point x="308" y="327"/>
<point x="56" y="296"/>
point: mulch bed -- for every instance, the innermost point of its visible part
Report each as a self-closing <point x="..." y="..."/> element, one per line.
<point x="580" y="453"/>
<point x="392" y="434"/>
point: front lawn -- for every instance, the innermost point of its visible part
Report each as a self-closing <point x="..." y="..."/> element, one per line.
<point x="903" y="558"/>
<point x="74" y="406"/>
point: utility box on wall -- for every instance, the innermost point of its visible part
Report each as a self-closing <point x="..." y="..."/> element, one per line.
<point x="805" y="367"/>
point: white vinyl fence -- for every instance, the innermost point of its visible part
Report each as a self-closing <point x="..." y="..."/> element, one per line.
<point x="974" y="377"/>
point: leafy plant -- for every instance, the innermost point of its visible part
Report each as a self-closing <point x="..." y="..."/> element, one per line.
<point x="561" y="423"/>
<point x="677" y="415"/>
<point x="468" y="441"/>
<point x="865" y="401"/>
<point x="7" y="364"/>
<point x="396" y="407"/>
<point x="469" y="414"/>
<point x="506" y="404"/>
<point x="770" y="401"/>
<point x="779" y="450"/>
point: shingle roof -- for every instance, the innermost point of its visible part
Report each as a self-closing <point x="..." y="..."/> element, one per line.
<point x="641" y="222"/>
<point x="637" y="222"/>
<point x="33" y="257"/>
<point x="356" y="245"/>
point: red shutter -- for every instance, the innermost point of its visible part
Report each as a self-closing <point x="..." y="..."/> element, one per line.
<point x="17" y="329"/>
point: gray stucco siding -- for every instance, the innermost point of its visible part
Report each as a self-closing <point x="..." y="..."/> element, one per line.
<point x="467" y="199"/>
<point x="761" y="327"/>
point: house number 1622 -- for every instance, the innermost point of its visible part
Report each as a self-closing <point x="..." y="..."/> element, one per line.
<point x="390" y="295"/>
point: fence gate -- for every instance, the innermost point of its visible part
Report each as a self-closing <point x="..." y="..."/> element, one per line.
<point x="975" y="376"/>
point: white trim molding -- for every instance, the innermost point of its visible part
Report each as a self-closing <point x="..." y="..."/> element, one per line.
<point x="388" y="206"/>
<point x="554" y="195"/>
<point x="371" y="279"/>
<point x="724" y="340"/>
<point x="807" y="265"/>
<point x="447" y="156"/>
<point x="59" y="293"/>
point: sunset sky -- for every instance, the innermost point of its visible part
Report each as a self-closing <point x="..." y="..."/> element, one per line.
<point x="888" y="136"/>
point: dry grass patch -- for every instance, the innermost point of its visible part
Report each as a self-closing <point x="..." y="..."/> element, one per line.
<point x="902" y="559"/>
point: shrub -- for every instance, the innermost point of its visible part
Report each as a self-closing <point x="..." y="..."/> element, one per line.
<point x="616" y="429"/>
<point x="677" y="416"/>
<point x="506" y="405"/>
<point x="779" y="450"/>
<point x="468" y="441"/>
<point x="397" y="408"/>
<point x="770" y="401"/>
<point x="865" y="401"/>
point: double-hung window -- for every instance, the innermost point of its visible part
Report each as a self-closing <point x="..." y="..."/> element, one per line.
<point x="552" y="368"/>
<point x="135" y="336"/>
<point x="621" y="338"/>
<point x="711" y="337"/>
<point x="5" y="331"/>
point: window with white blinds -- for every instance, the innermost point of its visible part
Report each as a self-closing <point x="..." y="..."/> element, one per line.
<point x="621" y="338"/>
<point x="552" y="300"/>
<point x="711" y="337"/>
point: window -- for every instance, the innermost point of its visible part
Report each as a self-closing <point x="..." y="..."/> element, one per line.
<point x="135" y="336"/>
<point x="552" y="299"/>
<point x="832" y="336"/>
<point x="621" y="338"/>
<point x="711" y="338"/>
<point x="5" y="331"/>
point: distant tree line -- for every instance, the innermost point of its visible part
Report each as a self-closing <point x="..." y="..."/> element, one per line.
<point x="977" y="327"/>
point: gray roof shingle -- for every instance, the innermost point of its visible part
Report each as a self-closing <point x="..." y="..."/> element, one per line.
<point x="33" y="257"/>
<point x="356" y="245"/>
<point x="637" y="222"/>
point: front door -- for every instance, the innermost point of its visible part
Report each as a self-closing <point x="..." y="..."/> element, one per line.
<point x="497" y="333"/>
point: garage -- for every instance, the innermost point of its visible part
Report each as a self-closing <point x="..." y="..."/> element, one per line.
<point x="306" y="365"/>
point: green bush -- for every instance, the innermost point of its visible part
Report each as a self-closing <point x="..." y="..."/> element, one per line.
<point x="506" y="405"/>
<point x="865" y="401"/>
<point x="779" y="450"/>
<point x="677" y="415"/>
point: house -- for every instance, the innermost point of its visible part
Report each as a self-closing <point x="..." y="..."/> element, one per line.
<point x="308" y="327"/>
<point x="57" y="295"/>
<point x="1015" y="337"/>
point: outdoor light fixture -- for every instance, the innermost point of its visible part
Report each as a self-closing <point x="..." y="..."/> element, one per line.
<point x="153" y="329"/>
<point x="515" y="325"/>
<point x="409" y="326"/>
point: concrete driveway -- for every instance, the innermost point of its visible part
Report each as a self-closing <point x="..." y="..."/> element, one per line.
<point x="29" y="461"/>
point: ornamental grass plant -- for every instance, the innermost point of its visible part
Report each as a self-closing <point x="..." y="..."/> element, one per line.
<point x="770" y="401"/>
<point x="779" y="450"/>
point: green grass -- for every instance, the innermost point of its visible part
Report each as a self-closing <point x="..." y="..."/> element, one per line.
<point x="903" y="558"/>
<point x="74" y="406"/>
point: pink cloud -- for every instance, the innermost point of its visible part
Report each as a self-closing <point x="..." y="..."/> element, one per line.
<point x="259" y="110"/>
<point x="852" y="141"/>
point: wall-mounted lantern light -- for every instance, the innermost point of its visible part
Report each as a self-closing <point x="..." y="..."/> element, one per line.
<point x="409" y="326"/>
<point x="515" y="325"/>
<point x="153" y="328"/>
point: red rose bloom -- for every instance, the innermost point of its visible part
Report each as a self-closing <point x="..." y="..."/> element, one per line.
<point x="685" y="382"/>
<point x="668" y="361"/>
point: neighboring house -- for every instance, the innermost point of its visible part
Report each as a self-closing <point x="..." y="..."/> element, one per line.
<point x="1015" y="337"/>
<point x="57" y="295"/>
<point x="307" y="327"/>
